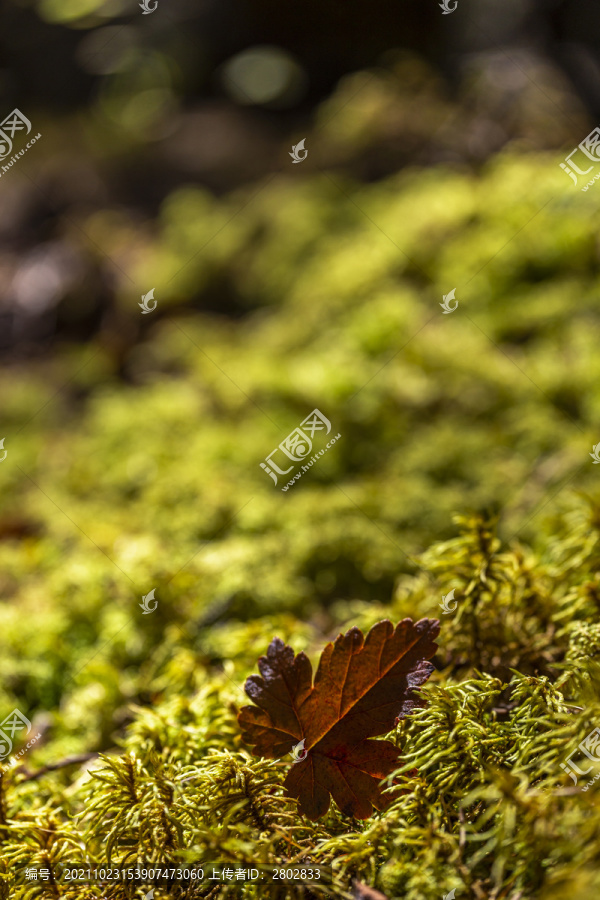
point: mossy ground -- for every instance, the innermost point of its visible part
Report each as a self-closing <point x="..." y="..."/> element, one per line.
<point x="117" y="487"/>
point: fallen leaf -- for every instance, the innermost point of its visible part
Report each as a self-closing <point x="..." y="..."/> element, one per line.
<point x="361" y="687"/>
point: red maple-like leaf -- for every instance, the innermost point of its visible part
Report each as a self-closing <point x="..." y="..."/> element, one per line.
<point x="361" y="687"/>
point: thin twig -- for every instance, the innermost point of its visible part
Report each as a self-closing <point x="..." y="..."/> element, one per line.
<point x="51" y="767"/>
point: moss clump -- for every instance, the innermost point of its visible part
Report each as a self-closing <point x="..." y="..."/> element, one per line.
<point x="485" y="808"/>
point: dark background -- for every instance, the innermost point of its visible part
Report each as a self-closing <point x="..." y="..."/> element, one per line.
<point x="68" y="71"/>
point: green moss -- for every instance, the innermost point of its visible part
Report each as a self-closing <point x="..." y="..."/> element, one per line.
<point x="485" y="807"/>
